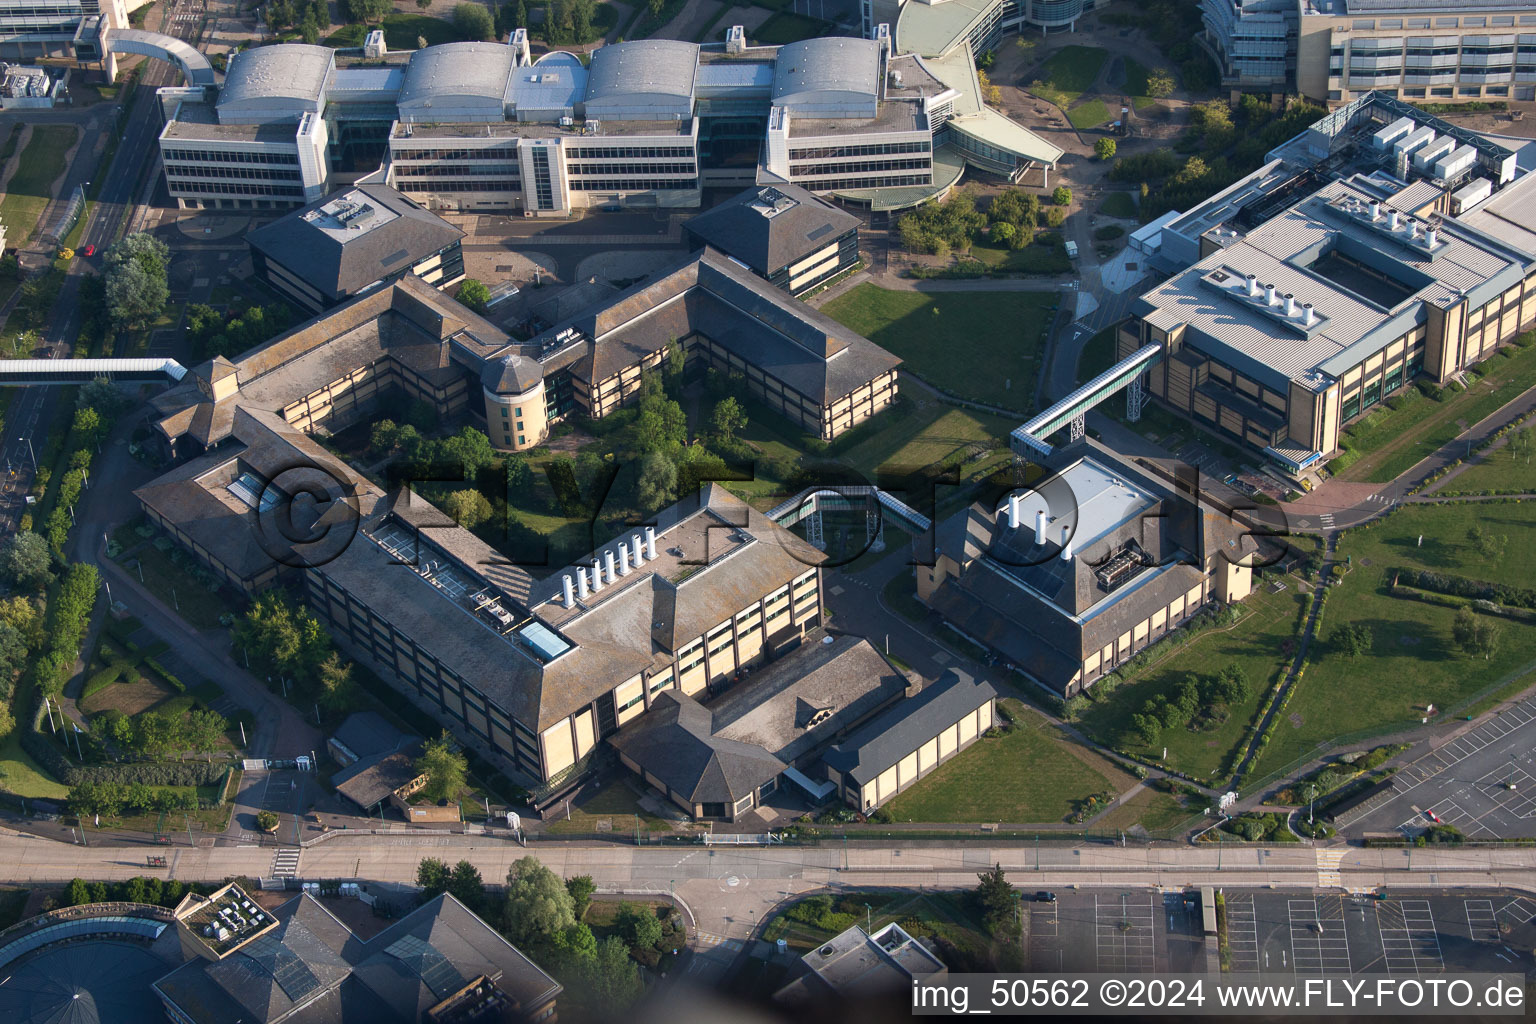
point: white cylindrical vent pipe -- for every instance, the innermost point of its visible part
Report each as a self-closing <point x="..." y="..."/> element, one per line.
<point x="597" y="575"/>
<point x="650" y="543"/>
<point x="1013" y="511"/>
<point x="1306" y="313"/>
<point x="1253" y="286"/>
<point x="569" y="590"/>
<point x="613" y="574"/>
<point x="581" y="583"/>
<point x="639" y="550"/>
<point x="623" y="559"/>
<point x="1290" y="304"/>
<point x="1040" y="526"/>
<point x="1066" y="543"/>
<point x="1392" y="220"/>
<point x="1269" y="295"/>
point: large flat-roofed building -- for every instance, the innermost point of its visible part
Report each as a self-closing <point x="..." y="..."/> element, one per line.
<point x="405" y="336"/>
<point x="299" y="964"/>
<point x="1354" y="262"/>
<point x="1335" y="51"/>
<point x="783" y="234"/>
<point x="1069" y="579"/>
<point x="652" y="122"/>
<point x="352" y="241"/>
<point x="857" y="965"/>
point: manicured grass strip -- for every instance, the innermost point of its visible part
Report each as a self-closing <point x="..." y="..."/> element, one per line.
<point x="1089" y="114"/>
<point x="983" y="345"/>
<point x="1495" y="471"/>
<point x="1031" y="774"/>
<point x="23" y="776"/>
<point x="1136" y="74"/>
<point x="30" y="187"/>
<point x="614" y="803"/>
<point x="1118" y="204"/>
<point x="1389" y="442"/>
<point x="784" y="28"/>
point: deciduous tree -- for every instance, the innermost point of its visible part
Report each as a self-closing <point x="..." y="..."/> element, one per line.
<point x="538" y="904"/>
<point x="444" y="767"/>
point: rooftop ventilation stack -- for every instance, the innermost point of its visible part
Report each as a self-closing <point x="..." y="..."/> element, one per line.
<point x="639" y="551"/>
<point x="1432" y="236"/>
<point x="1066" y="543"/>
<point x="570" y="591"/>
<point x="650" y="543"/>
<point x="1306" y="313"/>
<point x="613" y="575"/>
<point x="597" y="575"/>
<point x="623" y="559"/>
<point x="1040" y="526"/>
<point x="581" y="583"/>
<point x="1392" y="220"/>
<point x="1013" y="511"/>
<point x="1269" y="295"/>
<point x="1253" y="286"/>
<point x="1375" y="209"/>
<point x="1290" y="304"/>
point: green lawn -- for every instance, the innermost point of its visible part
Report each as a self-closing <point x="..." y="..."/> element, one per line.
<point x="1151" y="809"/>
<point x="929" y="435"/>
<point x="400" y="32"/>
<point x="1493" y="472"/>
<point x="1136" y="84"/>
<point x="1413" y="660"/>
<point x="1033" y="774"/>
<point x="1258" y="644"/>
<point x="1045" y="255"/>
<point x="1118" y="204"/>
<point x="37" y="172"/>
<point x="1072" y="69"/>
<point x="170" y="583"/>
<point x="784" y="28"/>
<point x="21" y="775"/>
<point x="1089" y="114"/>
<point x="615" y="804"/>
<point x="1388" y="442"/>
<point x="980" y="345"/>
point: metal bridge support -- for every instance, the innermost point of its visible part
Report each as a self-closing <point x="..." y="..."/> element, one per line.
<point x="813" y="531"/>
<point x="1135" y="398"/>
<point x="874" y="529"/>
<point x="1079" y="427"/>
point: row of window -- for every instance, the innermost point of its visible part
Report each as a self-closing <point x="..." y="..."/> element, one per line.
<point x="258" y="173"/>
<point x="456" y="171"/>
<point x="877" y="149"/>
<point x="488" y="153"/>
<point x="627" y="152"/>
<point x="482" y="185"/>
<point x="233" y="188"/>
<point x="631" y="169"/>
<point x="629" y="185"/>
<point x="921" y="164"/>
<point x="220" y="156"/>
<point x="839" y="184"/>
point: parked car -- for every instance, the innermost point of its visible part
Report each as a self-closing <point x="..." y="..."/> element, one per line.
<point x="1045" y="897"/>
<point x="89" y="250"/>
<point x="1432" y="816"/>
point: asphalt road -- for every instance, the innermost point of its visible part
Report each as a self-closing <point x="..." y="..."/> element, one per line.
<point x="1465" y="783"/>
<point x="33" y="410"/>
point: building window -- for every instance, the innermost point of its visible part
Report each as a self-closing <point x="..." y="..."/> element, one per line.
<point x="503" y="412"/>
<point x="518" y="411"/>
<point x="521" y="439"/>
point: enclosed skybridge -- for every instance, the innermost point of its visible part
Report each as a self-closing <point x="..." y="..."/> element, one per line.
<point x="1071" y="412"/>
<point x="16" y="372"/>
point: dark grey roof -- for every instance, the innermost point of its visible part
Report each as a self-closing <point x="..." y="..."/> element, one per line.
<point x="675" y="742"/>
<point x="897" y="732"/>
<point x="368" y="734"/>
<point x="805" y="699"/>
<point x="369" y="782"/>
<point x="393" y="978"/>
<point x="340" y="267"/>
<point x="770" y="227"/>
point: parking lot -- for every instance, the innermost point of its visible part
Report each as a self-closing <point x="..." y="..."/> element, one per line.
<point x="1467" y="783"/>
<point x="1406" y="934"/>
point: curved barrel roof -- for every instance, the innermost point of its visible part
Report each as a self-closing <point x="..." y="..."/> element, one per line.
<point x="293" y="71"/>
<point x="821" y="69"/>
<point x="455" y="75"/>
<point x="641" y="68"/>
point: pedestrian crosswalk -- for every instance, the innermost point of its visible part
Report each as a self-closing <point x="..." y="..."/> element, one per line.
<point x="1328" y="876"/>
<point x="285" y="863"/>
<point x="1327" y="520"/>
<point x="710" y="940"/>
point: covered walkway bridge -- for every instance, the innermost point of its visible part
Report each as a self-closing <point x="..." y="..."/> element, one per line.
<point x="16" y="372"/>
<point x="1071" y="411"/>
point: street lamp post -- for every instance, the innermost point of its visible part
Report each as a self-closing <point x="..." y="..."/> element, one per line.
<point x="30" y="451"/>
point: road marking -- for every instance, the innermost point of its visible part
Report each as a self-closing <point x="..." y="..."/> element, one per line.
<point x="1124" y="933"/>
<point x="1409" y="942"/>
<point x="1318" y="942"/>
<point x="1482" y="925"/>
<point x="1242" y="934"/>
<point x="1328" y="876"/>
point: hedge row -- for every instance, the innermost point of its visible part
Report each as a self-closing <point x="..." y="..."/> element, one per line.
<point x="155" y="773"/>
<point x="1462" y="586"/>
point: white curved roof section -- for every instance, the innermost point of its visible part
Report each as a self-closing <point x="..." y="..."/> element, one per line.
<point x="66" y="371"/>
<point x="162" y="47"/>
<point x="456" y="82"/>
<point x="276" y="83"/>
<point x="979" y="122"/>
<point x="643" y="80"/>
<point x="828" y="77"/>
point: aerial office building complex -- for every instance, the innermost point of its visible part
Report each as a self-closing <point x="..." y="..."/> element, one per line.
<point x="1378" y="246"/>
<point x="1338" y="50"/>
<point x="481" y="126"/>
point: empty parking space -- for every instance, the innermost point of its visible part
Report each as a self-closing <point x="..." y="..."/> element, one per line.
<point x="1242" y="934"/>
<point x="1318" y="943"/>
<point x="1482" y="924"/>
<point x="1125" y="939"/>
<point x="1409" y="941"/>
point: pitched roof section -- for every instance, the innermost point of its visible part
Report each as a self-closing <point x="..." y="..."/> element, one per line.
<point x="674" y="742"/>
<point x="769" y="228"/>
<point x="895" y="733"/>
<point x="352" y="238"/>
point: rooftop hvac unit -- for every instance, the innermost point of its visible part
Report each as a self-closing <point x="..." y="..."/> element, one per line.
<point x="591" y="127"/>
<point x="566" y="122"/>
